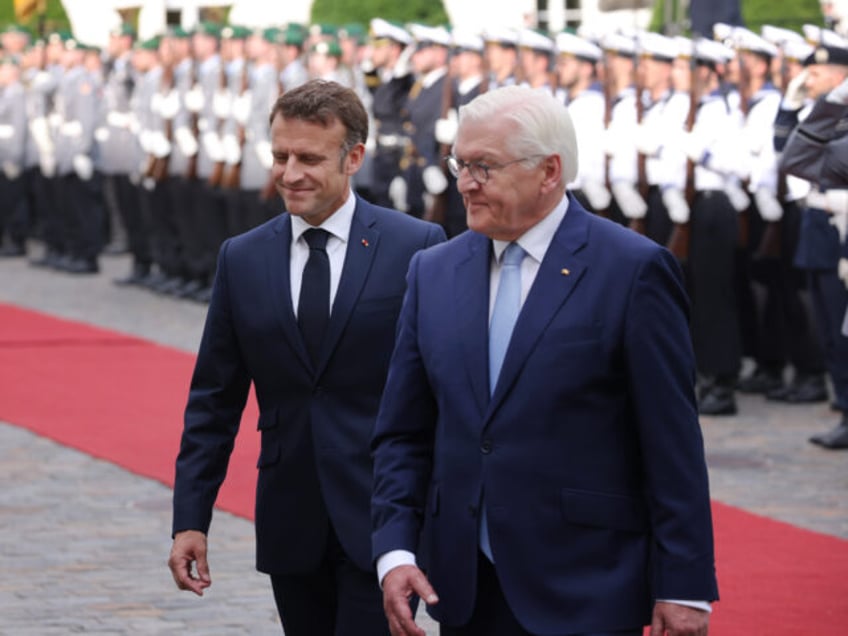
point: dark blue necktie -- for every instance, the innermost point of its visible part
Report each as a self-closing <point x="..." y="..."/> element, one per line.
<point x="313" y="311"/>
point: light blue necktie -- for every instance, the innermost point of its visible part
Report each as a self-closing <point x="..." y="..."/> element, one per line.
<point x="505" y="313"/>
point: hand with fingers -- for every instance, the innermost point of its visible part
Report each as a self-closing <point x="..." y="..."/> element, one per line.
<point x="188" y="561"/>
<point x="398" y="587"/>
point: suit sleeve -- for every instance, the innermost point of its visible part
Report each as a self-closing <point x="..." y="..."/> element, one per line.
<point x="402" y="443"/>
<point x="661" y="372"/>
<point x="218" y="393"/>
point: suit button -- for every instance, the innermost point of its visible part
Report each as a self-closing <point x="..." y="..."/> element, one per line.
<point x="486" y="446"/>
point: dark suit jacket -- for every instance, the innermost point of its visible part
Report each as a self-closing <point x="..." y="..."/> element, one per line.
<point x="315" y="423"/>
<point x="589" y="451"/>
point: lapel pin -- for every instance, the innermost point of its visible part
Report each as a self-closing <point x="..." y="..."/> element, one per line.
<point x="364" y="242"/>
<point x="565" y="272"/>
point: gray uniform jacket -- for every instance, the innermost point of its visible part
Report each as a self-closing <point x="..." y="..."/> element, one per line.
<point x="257" y="134"/>
<point x="117" y="143"/>
<point x="76" y="104"/>
<point x="13" y="125"/>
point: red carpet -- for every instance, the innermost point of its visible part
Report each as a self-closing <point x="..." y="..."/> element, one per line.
<point x="120" y="398"/>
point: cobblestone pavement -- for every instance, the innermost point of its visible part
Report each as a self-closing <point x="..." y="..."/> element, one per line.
<point x="83" y="543"/>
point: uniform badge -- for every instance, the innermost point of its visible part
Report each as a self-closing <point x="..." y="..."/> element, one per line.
<point x="821" y="56"/>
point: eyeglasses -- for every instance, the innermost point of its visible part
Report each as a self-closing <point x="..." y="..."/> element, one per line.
<point x="479" y="170"/>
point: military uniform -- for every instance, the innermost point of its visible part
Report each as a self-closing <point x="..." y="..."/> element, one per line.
<point x="13" y="217"/>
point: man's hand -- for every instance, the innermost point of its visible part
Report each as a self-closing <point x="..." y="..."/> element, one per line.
<point x="671" y="619"/>
<point x="398" y="587"/>
<point x="188" y="551"/>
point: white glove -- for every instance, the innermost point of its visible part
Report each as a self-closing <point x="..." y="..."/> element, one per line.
<point x="839" y="220"/>
<point x="435" y="181"/>
<point x="768" y="205"/>
<point x="842" y="270"/>
<point x="647" y="140"/>
<point x="40" y="131"/>
<point x="446" y="128"/>
<point x="232" y="150"/>
<point x="739" y="199"/>
<point x="156" y="103"/>
<point x="609" y="142"/>
<point x="169" y="105"/>
<point x="241" y="108"/>
<point x="597" y="194"/>
<point x="263" y="151"/>
<point x="695" y="146"/>
<point x="145" y="140"/>
<point x="397" y="193"/>
<point x="83" y="166"/>
<point x="212" y="145"/>
<point x="7" y="131"/>
<point x="796" y="92"/>
<point x="629" y="200"/>
<point x="11" y="170"/>
<point x="839" y="95"/>
<point x="102" y="134"/>
<point x="675" y="203"/>
<point x="185" y="141"/>
<point x="47" y="163"/>
<point x="194" y="99"/>
<point x="221" y="103"/>
<point x="159" y="145"/>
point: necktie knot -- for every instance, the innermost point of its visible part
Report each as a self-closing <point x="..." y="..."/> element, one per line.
<point x="513" y="255"/>
<point x="316" y="238"/>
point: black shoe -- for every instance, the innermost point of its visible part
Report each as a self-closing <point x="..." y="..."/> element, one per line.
<point x="761" y="381"/>
<point x="808" y="390"/>
<point x="834" y="439"/>
<point x="12" y="251"/>
<point x="153" y="279"/>
<point x="189" y="289"/>
<point x="171" y="286"/>
<point x="115" y="249"/>
<point x="138" y="274"/>
<point x="82" y="266"/>
<point x="50" y="259"/>
<point x="717" y="401"/>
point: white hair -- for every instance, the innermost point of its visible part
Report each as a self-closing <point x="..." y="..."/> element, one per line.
<point x="544" y="125"/>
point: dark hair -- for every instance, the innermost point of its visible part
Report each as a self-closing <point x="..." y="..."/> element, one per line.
<point x="322" y="102"/>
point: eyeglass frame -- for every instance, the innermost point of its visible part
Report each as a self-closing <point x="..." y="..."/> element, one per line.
<point x="456" y="166"/>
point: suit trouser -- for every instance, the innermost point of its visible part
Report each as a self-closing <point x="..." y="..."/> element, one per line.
<point x="337" y="599"/>
<point x="658" y="225"/>
<point x="492" y="615"/>
<point x="830" y="299"/>
<point x="210" y="222"/>
<point x="128" y="199"/>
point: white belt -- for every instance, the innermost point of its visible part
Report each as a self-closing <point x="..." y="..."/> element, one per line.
<point x="118" y="120"/>
<point x="72" y="129"/>
<point x="391" y="141"/>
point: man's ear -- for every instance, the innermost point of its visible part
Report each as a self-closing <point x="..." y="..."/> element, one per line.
<point x="552" y="179"/>
<point x="354" y="158"/>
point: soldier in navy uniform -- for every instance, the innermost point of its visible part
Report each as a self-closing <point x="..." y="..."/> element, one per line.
<point x="501" y="52"/>
<point x="394" y="81"/>
<point x="535" y="57"/>
<point x="816" y="151"/>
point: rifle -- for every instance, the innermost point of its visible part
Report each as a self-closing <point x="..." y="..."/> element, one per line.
<point x="608" y="97"/>
<point x="232" y="179"/>
<point x="678" y="242"/>
<point x="191" y="168"/>
<point x="638" y="225"/>
<point x="217" y="175"/>
<point x="742" y="219"/>
<point x="438" y="209"/>
<point x="270" y="187"/>
<point x="157" y="167"/>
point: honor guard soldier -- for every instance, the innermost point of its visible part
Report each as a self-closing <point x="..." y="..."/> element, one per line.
<point x="583" y="95"/>
<point x="535" y="58"/>
<point x="501" y="54"/>
<point x="422" y="176"/>
<point x="34" y="78"/>
<point x="816" y="151"/>
<point x="391" y="67"/>
<point x="294" y="71"/>
<point x="14" y="213"/>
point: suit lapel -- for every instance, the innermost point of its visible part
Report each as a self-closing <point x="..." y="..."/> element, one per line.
<point x="472" y="306"/>
<point x="279" y="275"/>
<point x="363" y="244"/>
<point x="559" y="273"/>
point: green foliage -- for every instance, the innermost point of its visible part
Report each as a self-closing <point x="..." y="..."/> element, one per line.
<point x="344" y="11"/>
<point x="54" y="18"/>
<point x="789" y="14"/>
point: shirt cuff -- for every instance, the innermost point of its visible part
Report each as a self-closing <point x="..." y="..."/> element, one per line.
<point x="392" y="559"/>
<point x="704" y="606"/>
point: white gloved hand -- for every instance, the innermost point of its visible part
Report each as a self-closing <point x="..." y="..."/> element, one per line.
<point x="212" y="145"/>
<point x="156" y="103"/>
<point x="83" y="166"/>
<point x="839" y="95"/>
<point x="194" y="99"/>
<point x="232" y="150"/>
<point x="185" y="141"/>
<point x="435" y="181"/>
<point x="839" y="220"/>
<point x="739" y="199"/>
<point x="241" y="108"/>
<point x="796" y="92"/>
<point x="609" y="142"/>
<point x="842" y="270"/>
<point x="7" y="131"/>
<point x="145" y="140"/>
<point x="695" y="146"/>
<point x="597" y="194"/>
<point x="266" y="156"/>
<point x="11" y="170"/>
<point x="159" y="145"/>
<point x="446" y="128"/>
<point x="101" y="134"/>
<point x="40" y="131"/>
<point x="47" y="163"/>
<point x="675" y="203"/>
<point x="647" y="140"/>
<point x="632" y="205"/>
<point x="169" y="105"/>
<point x="397" y="193"/>
<point x="768" y="205"/>
<point x="221" y="103"/>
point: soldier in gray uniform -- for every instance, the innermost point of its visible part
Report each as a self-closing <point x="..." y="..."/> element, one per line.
<point x="13" y="209"/>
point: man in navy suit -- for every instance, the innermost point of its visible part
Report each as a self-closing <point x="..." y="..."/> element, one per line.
<point x="305" y="308"/>
<point x="551" y="481"/>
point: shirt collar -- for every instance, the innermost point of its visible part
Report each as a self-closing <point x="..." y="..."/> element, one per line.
<point x="337" y="224"/>
<point x="537" y="239"/>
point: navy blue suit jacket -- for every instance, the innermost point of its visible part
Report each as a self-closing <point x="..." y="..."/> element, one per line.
<point x="316" y="423"/>
<point x="589" y="451"/>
